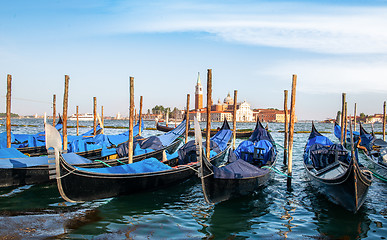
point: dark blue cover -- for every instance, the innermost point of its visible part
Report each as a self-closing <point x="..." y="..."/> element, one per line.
<point x="260" y="138"/>
<point x="237" y="170"/>
<point x="145" y="166"/>
<point x="218" y="143"/>
<point x="153" y="142"/>
<point x="222" y="137"/>
<point x="367" y="139"/>
<point x="337" y="132"/>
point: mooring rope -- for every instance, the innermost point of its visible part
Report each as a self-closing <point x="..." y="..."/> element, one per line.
<point x="277" y="171"/>
<point x="103" y="162"/>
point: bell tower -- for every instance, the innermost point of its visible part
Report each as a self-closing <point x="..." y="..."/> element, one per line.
<point x="198" y="94"/>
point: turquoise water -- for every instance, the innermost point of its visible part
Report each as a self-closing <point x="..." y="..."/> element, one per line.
<point x="180" y="212"/>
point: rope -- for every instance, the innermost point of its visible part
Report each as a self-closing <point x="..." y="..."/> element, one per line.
<point x="277" y="171"/>
<point x="280" y="146"/>
<point x="189" y="166"/>
<point x="117" y="161"/>
<point x="103" y="162"/>
<point x="65" y="174"/>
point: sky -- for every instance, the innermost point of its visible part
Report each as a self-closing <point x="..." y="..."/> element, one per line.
<point x="254" y="47"/>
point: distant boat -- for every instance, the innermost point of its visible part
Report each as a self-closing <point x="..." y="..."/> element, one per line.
<point x="82" y="117"/>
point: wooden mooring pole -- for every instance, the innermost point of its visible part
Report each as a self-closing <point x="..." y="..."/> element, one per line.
<point x="94" y="116"/>
<point x="8" y="120"/>
<point x="345" y="123"/>
<point x="354" y="118"/>
<point x="286" y="127"/>
<point x="291" y="131"/>
<point x="77" y="112"/>
<point x="64" y="114"/>
<point x="187" y="119"/>
<point x="53" y="109"/>
<point x="102" y="121"/>
<point x="209" y="104"/>
<point x="384" y="120"/>
<point x="131" y="115"/>
<point x="342" y="118"/>
<point x="234" y="120"/>
<point x="140" y="118"/>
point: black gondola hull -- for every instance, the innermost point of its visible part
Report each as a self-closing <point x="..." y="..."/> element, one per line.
<point x="348" y="190"/>
<point x="218" y="190"/>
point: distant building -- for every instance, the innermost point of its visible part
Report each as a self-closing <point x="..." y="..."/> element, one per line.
<point x="198" y="94"/>
<point x="271" y="115"/>
<point x="376" y="118"/>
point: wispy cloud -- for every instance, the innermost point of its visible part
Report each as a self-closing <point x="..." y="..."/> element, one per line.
<point x="311" y="27"/>
<point x="333" y="75"/>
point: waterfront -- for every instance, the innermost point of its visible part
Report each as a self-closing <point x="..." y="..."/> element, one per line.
<point x="180" y="212"/>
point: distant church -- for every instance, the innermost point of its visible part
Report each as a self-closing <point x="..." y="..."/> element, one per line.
<point x="220" y="111"/>
<point x="198" y="94"/>
<point x="224" y="110"/>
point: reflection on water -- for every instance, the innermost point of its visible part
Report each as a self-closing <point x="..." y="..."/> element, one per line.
<point x="334" y="222"/>
<point x="180" y="212"/>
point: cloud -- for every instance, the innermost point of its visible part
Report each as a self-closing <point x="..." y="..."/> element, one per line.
<point x="333" y="75"/>
<point x="310" y="27"/>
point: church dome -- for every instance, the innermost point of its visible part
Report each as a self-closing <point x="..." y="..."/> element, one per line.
<point x="228" y="99"/>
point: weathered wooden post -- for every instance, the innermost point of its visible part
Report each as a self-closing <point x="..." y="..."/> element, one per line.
<point x="140" y="118"/>
<point x="234" y="120"/>
<point x="342" y="136"/>
<point x="94" y="116"/>
<point x="291" y="130"/>
<point x="65" y="106"/>
<point x="167" y="117"/>
<point x="354" y="119"/>
<point x="209" y="104"/>
<point x="77" y="120"/>
<point x="384" y="120"/>
<point x="131" y="115"/>
<point x="8" y="120"/>
<point x="345" y="124"/>
<point x="53" y="109"/>
<point x="286" y="126"/>
<point x="187" y="120"/>
<point x="102" y="121"/>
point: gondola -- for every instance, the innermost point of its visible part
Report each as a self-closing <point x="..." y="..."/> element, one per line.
<point x="19" y="170"/>
<point x="84" y="184"/>
<point x="376" y="152"/>
<point x="335" y="172"/>
<point x="239" y="134"/>
<point x="247" y="168"/>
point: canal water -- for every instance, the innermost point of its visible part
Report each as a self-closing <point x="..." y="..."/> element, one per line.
<point x="180" y="212"/>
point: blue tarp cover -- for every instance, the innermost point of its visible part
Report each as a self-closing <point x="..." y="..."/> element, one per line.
<point x="71" y="158"/>
<point x="248" y="146"/>
<point x="144" y="166"/>
<point x="337" y="132"/>
<point x="26" y="140"/>
<point x="11" y="153"/>
<point x="153" y="142"/>
<point x="86" y="142"/>
<point x="238" y="169"/>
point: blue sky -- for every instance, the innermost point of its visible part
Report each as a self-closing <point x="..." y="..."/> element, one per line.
<point x="251" y="46"/>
